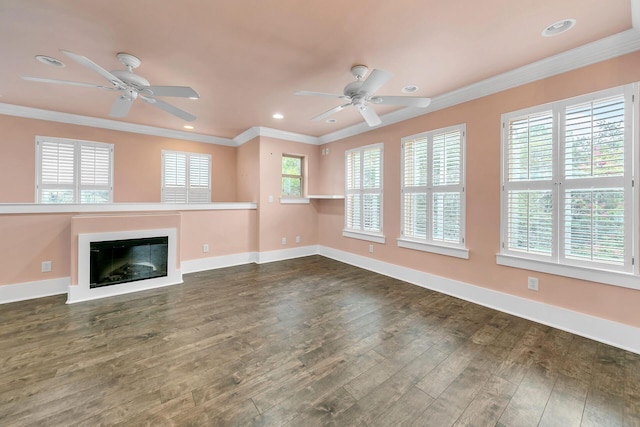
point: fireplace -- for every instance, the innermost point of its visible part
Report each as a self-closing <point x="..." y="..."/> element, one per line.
<point x="121" y="261"/>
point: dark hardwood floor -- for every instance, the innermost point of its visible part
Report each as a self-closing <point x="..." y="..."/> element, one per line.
<point x="304" y="342"/>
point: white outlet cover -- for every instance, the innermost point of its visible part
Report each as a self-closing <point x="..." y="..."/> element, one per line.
<point x="532" y="283"/>
<point x="284" y="240"/>
<point x="46" y="266"/>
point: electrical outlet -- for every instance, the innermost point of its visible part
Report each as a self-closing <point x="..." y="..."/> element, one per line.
<point x="532" y="283"/>
<point x="370" y="248"/>
<point x="46" y="266"/>
<point x="284" y="240"/>
<point x="270" y="199"/>
<point x="297" y="239"/>
<point x="205" y="248"/>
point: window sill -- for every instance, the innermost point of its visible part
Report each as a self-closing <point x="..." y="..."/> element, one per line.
<point x="615" y="278"/>
<point x="434" y="248"/>
<point x="362" y="235"/>
<point x="294" y="201"/>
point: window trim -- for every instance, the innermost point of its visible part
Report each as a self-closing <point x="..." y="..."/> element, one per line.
<point x="187" y="187"/>
<point x="287" y="197"/>
<point x="371" y="236"/>
<point x="458" y="250"/>
<point x="77" y="187"/>
<point x="626" y="276"/>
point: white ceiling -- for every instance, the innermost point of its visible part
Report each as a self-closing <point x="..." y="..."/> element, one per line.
<point x="247" y="57"/>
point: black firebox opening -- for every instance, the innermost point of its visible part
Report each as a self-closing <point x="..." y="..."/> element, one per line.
<point x="121" y="261"/>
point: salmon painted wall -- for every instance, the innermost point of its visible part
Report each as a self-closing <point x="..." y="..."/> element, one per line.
<point x="30" y="239"/>
<point x="278" y="220"/>
<point x="482" y="117"/>
<point x="248" y="171"/>
<point x="137" y="160"/>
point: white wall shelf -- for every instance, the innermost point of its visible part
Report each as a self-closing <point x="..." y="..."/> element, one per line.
<point x="326" y="196"/>
<point x="28" y="208"/>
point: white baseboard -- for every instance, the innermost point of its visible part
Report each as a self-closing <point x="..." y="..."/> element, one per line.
<point x="202" y="264"/>
<point x="606" y="331"/>
<point x="85" y="293"/>
<point x="280" y="255"/>
<point x="31" y="290"/>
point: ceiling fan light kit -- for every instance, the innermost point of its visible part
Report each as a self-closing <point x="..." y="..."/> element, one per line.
<point x="361" y="94"/>
<point x="129" y="85"/>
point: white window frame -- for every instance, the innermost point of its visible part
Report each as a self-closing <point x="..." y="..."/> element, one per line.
<point x="76" y="186"/>
<point x="556" y="263"/>
<point x="188" y="191"/>
<point x="293" y="198"/>
<point x="428" y="244"/>
<point x="377" y="237"/>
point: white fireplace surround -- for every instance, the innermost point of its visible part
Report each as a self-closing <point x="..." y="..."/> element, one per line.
<point x="83" y="292"/>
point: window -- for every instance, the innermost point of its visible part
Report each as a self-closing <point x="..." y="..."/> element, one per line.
<point x="186" y="177"/>
<point x="291" y="176"/>
<point x="363" y="193"/>
<point x="433" y="197"/>
<point x="568" y="195"/>
<point x="70" y="171"/>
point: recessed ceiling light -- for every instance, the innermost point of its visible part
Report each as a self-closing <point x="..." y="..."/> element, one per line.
<point x="188" y="127"/>
<point x="193" y="97"/>
<point x="331" y="120"/>
<point x="278" y="116"/>
<point x="410" y="89"/>
<point x="559" y="27"/>
<point x="48" y="60"/>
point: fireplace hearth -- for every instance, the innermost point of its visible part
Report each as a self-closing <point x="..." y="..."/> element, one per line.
<point x="117" y="262"/>
<point x="121" y="261"/>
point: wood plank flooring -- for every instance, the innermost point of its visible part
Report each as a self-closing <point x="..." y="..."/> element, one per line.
<point x="304" y="342"/>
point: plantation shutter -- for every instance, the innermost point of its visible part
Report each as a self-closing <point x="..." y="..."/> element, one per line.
<point x="415" y="206"/>
<point x="363" y="188"/>
<point x="57" y="180"/>
<point x="568" y="192"/>
<point x="186" y="177"/>
<point x="529" y="185"/>
<point x="446" y="180"/>
<point x="352" y="198"/>
<point x="95" y="173"/>
<point x="593" y="195"/>
<point x="174" y="186"/>
<point x="199" y="182"/>
<point x="433" y="186"/>
<point x="372" y="184"/>
<point x="70" y="171"/>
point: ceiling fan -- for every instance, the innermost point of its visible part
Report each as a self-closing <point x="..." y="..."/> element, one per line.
<point x="361" y="94"/>
<point x="129" y="85"/>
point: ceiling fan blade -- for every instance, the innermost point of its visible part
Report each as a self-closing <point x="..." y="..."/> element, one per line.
<point x="169" y="108"/>
<point x="327" y="95"/>
<point x="63" y="82"/>
<point x="178" y="91"/>
<point x="330" y="112"/>
<point x="121" y="106"/>
<point x="83" y="60"/>
<point x="407" y="101"/>
<point x="369" y="115"/>
<point x="376" y="79"/>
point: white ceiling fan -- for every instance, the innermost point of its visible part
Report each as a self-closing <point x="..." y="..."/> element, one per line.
<point x="361" y="94"/>
<point x="129" y="85"/>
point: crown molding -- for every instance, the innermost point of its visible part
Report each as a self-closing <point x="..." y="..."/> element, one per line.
<point x="610" y="47"/>
<point x="256" y="131"/>
<point x="74" y="119"/>
<point x="591" y="53"/>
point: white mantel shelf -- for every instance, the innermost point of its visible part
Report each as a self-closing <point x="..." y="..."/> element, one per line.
<point x="34" y="208"/>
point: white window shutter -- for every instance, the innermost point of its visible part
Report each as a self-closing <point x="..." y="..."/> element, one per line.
<point x="186" y="177"/>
